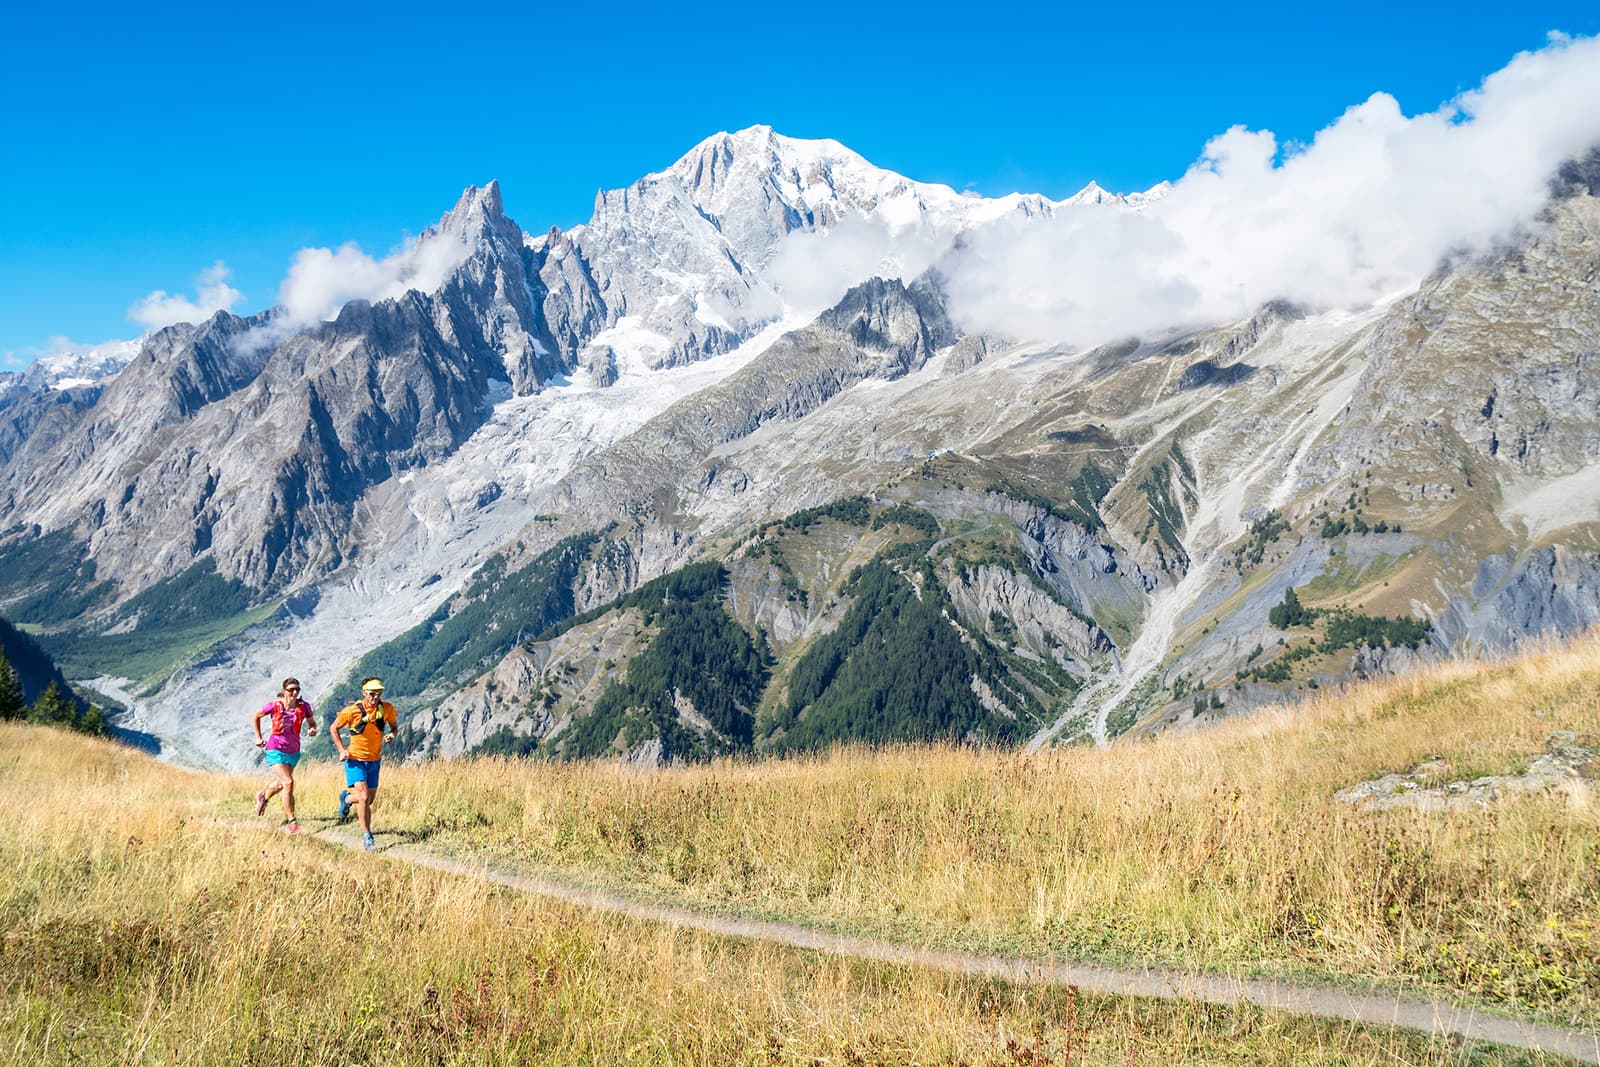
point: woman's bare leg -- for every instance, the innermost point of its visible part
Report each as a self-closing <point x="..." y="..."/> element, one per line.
<point x="285" y="783"/>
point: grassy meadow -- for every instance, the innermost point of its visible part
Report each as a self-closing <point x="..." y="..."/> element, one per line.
<point x="145" y="917"/>
<point x="1220" y="849"/>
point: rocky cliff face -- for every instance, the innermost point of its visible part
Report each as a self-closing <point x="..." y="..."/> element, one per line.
<point x="880" y="331"/>
<point x="36" y="421"/>
<point x="261" y="454"/>
<point x="535" y="689"/>
<point x="489" y="305"/>
<point x="1492" y="368"/>
<point x="233" y="441"/>
<point x="1553" y="591"/>
<point x="1046" y="628"/>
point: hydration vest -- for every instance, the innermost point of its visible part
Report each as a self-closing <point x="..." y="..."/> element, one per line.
<point x="284" y="720"/>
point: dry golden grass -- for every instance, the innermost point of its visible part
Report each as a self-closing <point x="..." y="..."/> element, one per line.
<point x="137" y="927"/>
<point x="1220" y="849"/>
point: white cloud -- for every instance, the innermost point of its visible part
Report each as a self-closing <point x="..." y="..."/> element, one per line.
<point x="1373" y="203"/>
<point x="812" y="270"/>
<point x="322" y="280"/>
<point x="1367" y="209"/>
<point x="213" y="294"/>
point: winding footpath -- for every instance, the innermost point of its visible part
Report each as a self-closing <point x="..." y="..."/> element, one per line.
<point x="1327" y="1002"/>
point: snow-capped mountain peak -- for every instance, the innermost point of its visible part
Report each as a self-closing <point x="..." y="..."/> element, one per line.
<point x="89" y="365"/>
<point x="1090" y="194"/>
<point x="758" y="148"/>
<point x="680" y="262"/>
<point x="72" y="368"/>
<point x="1151" y="195"/>
<point x="1095" y="194"/>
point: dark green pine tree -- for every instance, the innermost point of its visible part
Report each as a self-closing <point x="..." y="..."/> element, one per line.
<point x="94" y="722"/>
<point x="1289" y="613"/>
<point x="12" y="705"/>
<point x="55" y="708"/>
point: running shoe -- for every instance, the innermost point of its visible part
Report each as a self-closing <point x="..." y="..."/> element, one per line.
<point x="344" y="804"/>
<point x="261" y="801"/>
<point x="294" y="826"/>
<point x="367" y="843"/>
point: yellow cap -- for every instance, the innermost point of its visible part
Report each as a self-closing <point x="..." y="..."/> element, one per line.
<point x="373" y="686"/>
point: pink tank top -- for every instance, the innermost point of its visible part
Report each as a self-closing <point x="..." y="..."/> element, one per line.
<point x="286" y="724"/>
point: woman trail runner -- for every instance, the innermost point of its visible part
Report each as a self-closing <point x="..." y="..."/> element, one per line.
<point x="288" y="714"/>
<point x="371" y="721"/>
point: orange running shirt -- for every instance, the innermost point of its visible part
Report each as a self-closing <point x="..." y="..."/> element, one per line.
<point x="366" y="737"/>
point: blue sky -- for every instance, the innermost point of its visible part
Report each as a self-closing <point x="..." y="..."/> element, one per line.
<point x="143" y="145"/>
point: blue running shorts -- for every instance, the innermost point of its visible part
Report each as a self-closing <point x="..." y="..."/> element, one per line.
<point x="357" y="771"/>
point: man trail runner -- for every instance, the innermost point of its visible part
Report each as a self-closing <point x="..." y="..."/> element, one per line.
<point x="371" y="722"/>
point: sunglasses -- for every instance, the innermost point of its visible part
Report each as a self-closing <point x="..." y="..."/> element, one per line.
<point x="292" y="689"/>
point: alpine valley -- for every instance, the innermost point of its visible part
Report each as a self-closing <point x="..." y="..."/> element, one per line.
<point x="686" y="481"/>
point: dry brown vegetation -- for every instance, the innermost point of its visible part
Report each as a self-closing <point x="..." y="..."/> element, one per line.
<point x="1221" y="849"/>
<point x="143" y="920"/>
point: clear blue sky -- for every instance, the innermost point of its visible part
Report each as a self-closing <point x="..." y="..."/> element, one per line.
<point x="142" y="143"/>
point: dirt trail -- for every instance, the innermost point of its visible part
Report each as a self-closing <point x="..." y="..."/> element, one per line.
<point x="1429" y="1016"/>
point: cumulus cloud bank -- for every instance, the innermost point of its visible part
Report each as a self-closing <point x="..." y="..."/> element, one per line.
<point x="812" y="270"/>
<point x="213" y="294"/>
<point x="322" y="280"/>
<point x="1366" y="210"/>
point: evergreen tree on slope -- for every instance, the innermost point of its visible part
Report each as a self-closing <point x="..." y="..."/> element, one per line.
<point x="12" y="705"/>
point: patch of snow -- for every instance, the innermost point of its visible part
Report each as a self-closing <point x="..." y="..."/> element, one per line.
<point x="1155" y="193"/>
<point x="1544" y="506"/>
<point x="635" y="345"/>
<point x="73" y="367"/>
<point x="704" y="312"/>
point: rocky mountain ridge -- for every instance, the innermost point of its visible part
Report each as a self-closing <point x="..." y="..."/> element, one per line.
<point x="1091" y="541"/>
